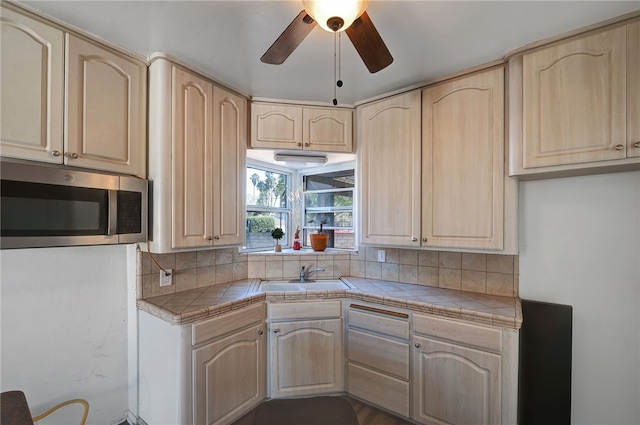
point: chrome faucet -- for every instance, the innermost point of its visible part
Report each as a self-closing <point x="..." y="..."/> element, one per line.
<point x="304" y="276"/>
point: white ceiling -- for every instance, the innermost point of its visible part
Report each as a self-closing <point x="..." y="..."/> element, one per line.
<point x="428" y="39"/>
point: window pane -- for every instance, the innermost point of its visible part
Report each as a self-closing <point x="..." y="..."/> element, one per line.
<point x="345" y="239"/>
<point x="344" y="179"/>
<point x="329" y="200"/>
<point x="266" y="188"/>
<point x="329" y="220"/>
<point x="259" y="226"/>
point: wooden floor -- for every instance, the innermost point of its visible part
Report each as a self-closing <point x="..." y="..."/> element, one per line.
<point x="367" y="415"/>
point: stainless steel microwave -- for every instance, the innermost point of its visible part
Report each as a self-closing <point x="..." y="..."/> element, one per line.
<point x="43" y="206"/>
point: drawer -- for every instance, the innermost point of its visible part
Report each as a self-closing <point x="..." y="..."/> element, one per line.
<point x="380" y="322"/>
<point x="465" y="333"/>
<point x="224" y="324"/>
<point x="387" y="355"/>
<point x="385" y="391"/>
<point x="305" y="310"/>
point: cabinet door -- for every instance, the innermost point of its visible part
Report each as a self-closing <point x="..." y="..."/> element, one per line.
<point x="463" y="165"/>
<point x="306" y="358"/>
<point x="276" y="126"/>
<point x="230" y="140"/>
<point x="389" y="170"/>
<point x="106" y="109"/>
<point x="633" y="82"/>
<point x="455" y="385"/>
<point x="229" y="376"/>
<point x="192" y="160"/>
<point x="574" y="100"/>
<point x="31" y="88"/>
<point x="327" y="130"/>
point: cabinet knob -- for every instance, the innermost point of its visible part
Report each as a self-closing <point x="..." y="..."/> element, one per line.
<point x="275" y="331"/>
<point x="636" y="145"/>
<point x="217" y="238"/>
<point x="209" y="238"/>
<point x="414" y="239"/>
<point x="417" y="345"/>
<point x="307" y="144"/>
<point x="299" y="143"/>
<point x="55" y="153"/>
<point x="260" y="332"/>
<point x="619" y="147"/>
<point x="424" y="239"/>
<point x="72" y="155"/>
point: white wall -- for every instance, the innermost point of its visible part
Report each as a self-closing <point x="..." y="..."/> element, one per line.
<point x="580" y="245"/>
<point x="64" y="328"/>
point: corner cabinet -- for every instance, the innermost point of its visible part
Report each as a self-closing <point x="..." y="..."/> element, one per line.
<point x="576" y="103"/>
<point x="102" y="123"/>
<point x="389" y="171"/>
<point x="294" y="127"/>
<point x="196" y="160"/>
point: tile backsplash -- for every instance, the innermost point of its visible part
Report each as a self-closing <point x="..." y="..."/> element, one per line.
<point x="481" y="273"/>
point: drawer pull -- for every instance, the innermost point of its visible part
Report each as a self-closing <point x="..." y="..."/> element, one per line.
<point x="378" y="310"/>
<point x="619" y="147"/>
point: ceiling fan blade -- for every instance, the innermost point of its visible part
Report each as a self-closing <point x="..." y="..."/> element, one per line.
<point x="368" y="43"/>
<point x="290" y="38"/>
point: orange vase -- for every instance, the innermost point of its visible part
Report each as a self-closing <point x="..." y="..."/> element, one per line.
<point x="319" y="241"/>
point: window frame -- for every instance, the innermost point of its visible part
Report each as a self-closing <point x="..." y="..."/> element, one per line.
<point x="291" y="178"/>
<point x="349" y="165"/>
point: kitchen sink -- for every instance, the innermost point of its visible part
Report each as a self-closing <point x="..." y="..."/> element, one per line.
<point x="309" y="285"/>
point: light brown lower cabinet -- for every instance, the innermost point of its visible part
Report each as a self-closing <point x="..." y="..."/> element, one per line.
<point x="454" y="384"/>
<point x="229" y="376"/>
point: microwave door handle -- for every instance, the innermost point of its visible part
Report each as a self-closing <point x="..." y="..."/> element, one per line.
<point x="112" y="220"/>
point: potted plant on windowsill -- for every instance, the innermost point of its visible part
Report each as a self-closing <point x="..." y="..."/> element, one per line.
<point x="319" y="240"/>
<point x="277" y="234"/>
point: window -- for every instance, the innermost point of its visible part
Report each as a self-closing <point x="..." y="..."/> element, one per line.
<point x="328" y="202"/>
<point x="267" y="206"/>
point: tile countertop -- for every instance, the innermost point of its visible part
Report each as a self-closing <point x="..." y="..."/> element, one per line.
<point x="202" y="303"/>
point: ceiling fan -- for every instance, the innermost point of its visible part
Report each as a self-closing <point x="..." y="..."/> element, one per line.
<point x="349" y="16"/>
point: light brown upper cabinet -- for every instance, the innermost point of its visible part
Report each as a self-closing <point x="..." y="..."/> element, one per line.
<point x="389" y="171"/>
<point x="432" y="167"/>
<point x="100" y="124"/>
<point x="463" y="162"/>
<point x="574" y="103"/>
<point x="293" y="127"/>
<point x="196" y="160"/>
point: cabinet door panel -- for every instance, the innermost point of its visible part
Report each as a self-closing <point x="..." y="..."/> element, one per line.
<point x="633" y="90"/>
<point x="389" y="167"/>
<point x="306" y="358"/>
<point x="31" y="89"/>
<point x="105" y="109"/>
<point x="229" y="376"/>
<point x="327" y="130"/>
<point x="229" y="159"/>
<point x="463" y="162"/>
<point x="574" y="100"/>
<point x="192" y="160"/>
<point x="276" y="126"/>
<point x="454" y="384"/>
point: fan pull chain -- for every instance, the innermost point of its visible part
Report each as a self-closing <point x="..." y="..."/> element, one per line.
<point x="339" y="82"/>
<point x="336" y="66"/>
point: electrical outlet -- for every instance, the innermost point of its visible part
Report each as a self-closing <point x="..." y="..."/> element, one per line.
<point x="381" y="255"/>
<point x="166" y="279"/>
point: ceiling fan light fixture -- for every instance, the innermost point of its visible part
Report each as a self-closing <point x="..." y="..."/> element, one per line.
<point x="325" y="12"/>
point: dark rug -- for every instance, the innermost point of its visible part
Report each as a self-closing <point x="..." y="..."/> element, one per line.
<point x="306" y="411"/>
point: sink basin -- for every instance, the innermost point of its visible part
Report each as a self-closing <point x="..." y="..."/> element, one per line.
<point x="287" y="286"/>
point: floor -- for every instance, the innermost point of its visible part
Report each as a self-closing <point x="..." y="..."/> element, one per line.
<point x="367" y="415"/>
